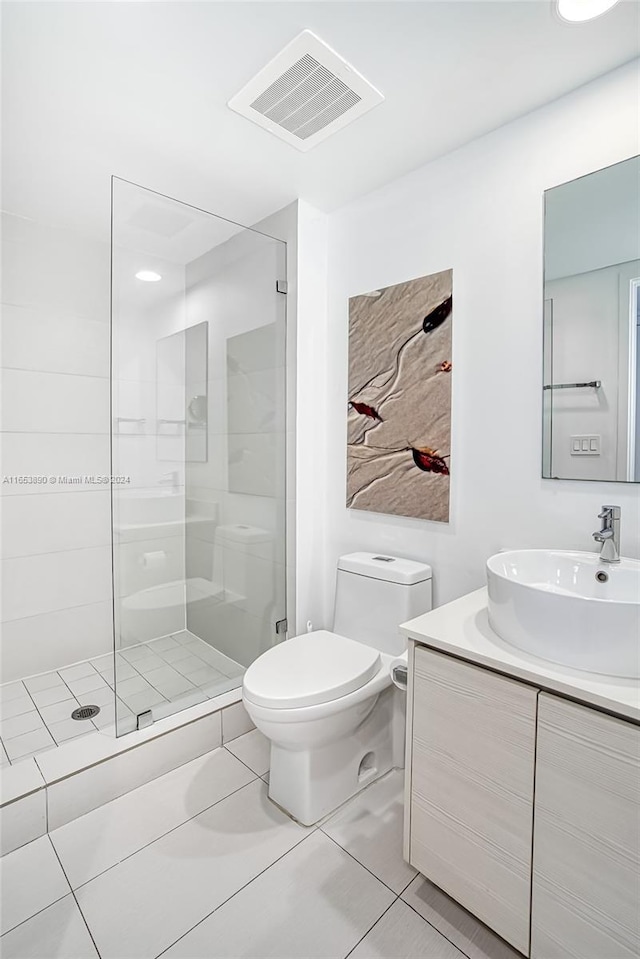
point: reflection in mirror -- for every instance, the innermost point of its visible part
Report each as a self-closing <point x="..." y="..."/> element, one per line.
<point x="253" y="410"/>
<point x="181" y="395"/>
<point x="591" y="416"/>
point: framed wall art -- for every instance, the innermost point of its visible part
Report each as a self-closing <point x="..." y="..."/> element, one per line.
<point x="399" y="403"/>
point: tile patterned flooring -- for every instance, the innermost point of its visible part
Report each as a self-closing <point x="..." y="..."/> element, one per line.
<point x="35" y="713"/>
<point x="200" y="864"/>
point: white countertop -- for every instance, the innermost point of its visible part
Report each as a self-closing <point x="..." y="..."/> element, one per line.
<point x="462" y="629"/>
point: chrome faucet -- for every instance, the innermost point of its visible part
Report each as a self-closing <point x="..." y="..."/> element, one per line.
<point x="609" y="535"/>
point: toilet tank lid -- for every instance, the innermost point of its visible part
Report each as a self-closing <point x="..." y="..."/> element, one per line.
<point x="392" y="569"/>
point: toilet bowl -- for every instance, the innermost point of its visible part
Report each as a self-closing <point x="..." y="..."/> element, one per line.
<point x="325" y="699"/>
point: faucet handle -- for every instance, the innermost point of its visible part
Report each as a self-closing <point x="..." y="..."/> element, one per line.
<point x="609" y="512"/>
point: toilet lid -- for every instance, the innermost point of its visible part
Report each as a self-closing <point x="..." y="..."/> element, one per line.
<point x="310" y="669"/>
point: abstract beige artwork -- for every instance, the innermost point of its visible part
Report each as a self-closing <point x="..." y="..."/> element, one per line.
<point x="399" y="412"/>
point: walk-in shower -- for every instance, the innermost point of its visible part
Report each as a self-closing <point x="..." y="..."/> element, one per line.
<point x="143" y="440"/>
<point x="197" y="451"/>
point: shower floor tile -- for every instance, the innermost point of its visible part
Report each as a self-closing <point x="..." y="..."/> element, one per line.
<point x="173" y="671"/>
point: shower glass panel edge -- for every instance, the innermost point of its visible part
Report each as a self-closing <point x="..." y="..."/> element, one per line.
<point x="198" y="447"/>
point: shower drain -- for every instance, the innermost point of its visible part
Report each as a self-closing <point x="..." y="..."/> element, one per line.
<point x="85" y="712"/>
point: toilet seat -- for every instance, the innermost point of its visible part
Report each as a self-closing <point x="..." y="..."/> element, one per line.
<point x="314" y="668"/>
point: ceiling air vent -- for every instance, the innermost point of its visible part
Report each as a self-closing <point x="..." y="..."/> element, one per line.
<point x="306" y="93"/>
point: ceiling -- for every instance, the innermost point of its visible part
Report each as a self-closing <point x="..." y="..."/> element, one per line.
<point x="140" y="90"/>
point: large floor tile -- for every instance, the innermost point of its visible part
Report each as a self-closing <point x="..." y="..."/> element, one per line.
<point x="370" y="827"/>
<point x="403" y="934"/>
<point x="253" y="749"/>
<point x="104" y="837"/>
<point x="314" y="902"/>
<point x="58" y="932"/>
<point x="31" y="879"/>
<point x="165" y="889"/>
<point x="454" y="922"/>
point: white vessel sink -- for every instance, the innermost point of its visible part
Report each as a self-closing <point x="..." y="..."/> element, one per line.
<point x="552" y="604"/>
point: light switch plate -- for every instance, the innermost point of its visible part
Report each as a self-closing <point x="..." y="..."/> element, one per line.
<point x="585" y="444"/>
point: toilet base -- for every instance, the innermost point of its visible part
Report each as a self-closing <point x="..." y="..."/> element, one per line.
<point x="310" y="783"/>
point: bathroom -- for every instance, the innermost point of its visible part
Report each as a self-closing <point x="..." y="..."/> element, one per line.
<point x="199" y="430"/>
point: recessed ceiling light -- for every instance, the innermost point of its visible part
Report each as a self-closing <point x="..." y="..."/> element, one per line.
<point x="577" y="11"/>
<point x="148" y="276"/>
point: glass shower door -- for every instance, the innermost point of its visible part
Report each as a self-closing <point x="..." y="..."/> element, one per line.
<point x="198" y="452"/>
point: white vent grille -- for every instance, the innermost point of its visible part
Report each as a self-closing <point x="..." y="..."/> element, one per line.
<point x="306" y="93"/>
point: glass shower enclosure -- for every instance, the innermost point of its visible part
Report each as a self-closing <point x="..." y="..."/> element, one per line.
<point x="198" y="432"/>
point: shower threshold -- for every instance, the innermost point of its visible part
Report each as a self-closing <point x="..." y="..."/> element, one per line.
<point x="163" y="675"/>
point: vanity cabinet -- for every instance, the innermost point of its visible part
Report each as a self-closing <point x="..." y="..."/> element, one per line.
<point x="524" y="807"/>
<point x="471" y="790"/>
<point x="586" y="866"/>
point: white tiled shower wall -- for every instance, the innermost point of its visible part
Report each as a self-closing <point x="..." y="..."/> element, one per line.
<point x="55" y="560"/>
<point x="55" y="421"/>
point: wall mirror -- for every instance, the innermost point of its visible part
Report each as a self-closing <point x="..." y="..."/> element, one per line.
<point x="182" y="395"/>
<point x="591" y="392"/>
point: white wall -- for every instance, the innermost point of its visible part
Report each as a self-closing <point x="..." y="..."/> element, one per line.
<point x="56" y="566"/>
<point x="593" y="222"/>
<point x="312" y="420"/>
<point x="479" y="211"/>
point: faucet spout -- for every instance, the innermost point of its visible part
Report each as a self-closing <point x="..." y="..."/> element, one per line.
<point x="609" y="535"/>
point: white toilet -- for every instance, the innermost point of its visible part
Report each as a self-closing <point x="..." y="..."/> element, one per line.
<point x="326" y="700"/>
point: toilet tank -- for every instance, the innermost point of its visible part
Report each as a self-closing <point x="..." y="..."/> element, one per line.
<point x="375" y="593"/>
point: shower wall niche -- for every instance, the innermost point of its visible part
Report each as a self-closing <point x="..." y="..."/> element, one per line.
<point x="198" y="451"/>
